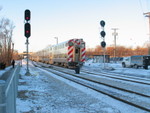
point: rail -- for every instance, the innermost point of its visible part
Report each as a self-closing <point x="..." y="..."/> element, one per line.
<point x="8" y="90"/>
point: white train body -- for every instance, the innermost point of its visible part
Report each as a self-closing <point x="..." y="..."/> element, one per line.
<point x="69" y="53"/>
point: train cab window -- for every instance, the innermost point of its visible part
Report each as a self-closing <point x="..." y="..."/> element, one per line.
<point x="83" y="45"/>
<point x="70" y="43"/>
<point x="77" y="51"/>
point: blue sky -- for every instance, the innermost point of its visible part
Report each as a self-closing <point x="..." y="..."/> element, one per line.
<point x="67" y="19"/>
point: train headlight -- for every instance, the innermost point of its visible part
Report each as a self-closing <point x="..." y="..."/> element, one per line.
<point x="70" y="43"/>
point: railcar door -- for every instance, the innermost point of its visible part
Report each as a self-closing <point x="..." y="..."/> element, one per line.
<point x="77" y="54"/>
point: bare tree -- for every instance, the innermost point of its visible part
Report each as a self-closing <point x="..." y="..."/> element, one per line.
<point x="122" y="51"/>
<point x="6" y="32"/>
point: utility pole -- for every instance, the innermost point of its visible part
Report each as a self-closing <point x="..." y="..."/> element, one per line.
<point x="148" y="15"/>
<point x="115" y="34"/>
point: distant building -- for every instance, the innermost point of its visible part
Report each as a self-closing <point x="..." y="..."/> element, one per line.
<point x="100" y="58"/>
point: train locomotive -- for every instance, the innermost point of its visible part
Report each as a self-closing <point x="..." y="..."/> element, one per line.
<point x="69" y="53"/>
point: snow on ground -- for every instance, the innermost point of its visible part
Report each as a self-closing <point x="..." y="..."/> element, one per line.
<point x="44" y="92"/>
<point x="117" y="68"/>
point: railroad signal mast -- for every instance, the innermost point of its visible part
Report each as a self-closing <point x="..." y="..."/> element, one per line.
<point x="27" y="33"/>
<point x="103" y="43"/>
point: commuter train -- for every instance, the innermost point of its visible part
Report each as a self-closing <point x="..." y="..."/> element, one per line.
<point x="69" y="53"/>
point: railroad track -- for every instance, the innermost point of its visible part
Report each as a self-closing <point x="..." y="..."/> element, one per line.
<point x="127" y="91"/>
<point x="121" y="77"/>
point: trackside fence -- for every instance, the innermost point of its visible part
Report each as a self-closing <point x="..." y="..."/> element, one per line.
<point x="8" y="92"/>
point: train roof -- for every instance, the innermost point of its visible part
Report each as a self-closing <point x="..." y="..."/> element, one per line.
<point x="51" y="46"/>
<point x="68" y="41"/>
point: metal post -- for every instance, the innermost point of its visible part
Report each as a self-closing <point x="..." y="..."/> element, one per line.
<point x="27" y="72"/>
<point x="104" y="50"/>
<point x="104" y="56"/>
<point x="115" y="48"/>
<point x="148" y="15"/>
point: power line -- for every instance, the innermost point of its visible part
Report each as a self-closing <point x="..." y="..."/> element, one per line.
<point x="141" y="6"/>
<point x="147" y="5"/>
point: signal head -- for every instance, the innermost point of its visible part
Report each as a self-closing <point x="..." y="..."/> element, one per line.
<point x="27" y="15"/>
<point x="103" y="44"/>
<point x="103" y="33"/>
<point x="102" y="23"/>
<point x="27" y="31"/>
